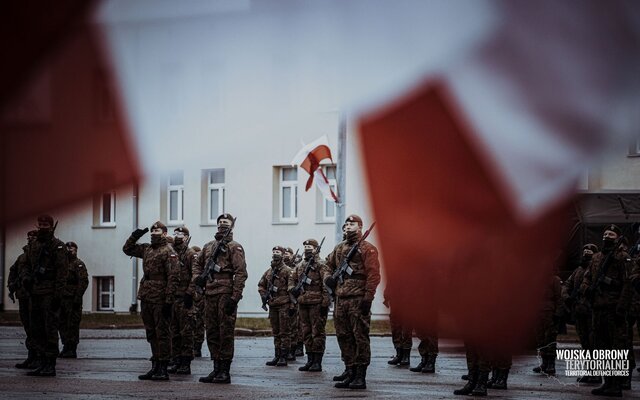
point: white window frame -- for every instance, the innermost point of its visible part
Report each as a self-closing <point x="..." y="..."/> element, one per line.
<point x="111" y="292"/>
<point x="112" y="222"/>
<point x="180" y="205"/>
<point x="333" y="184"/>
<point x="211" y="219"/>
<point x="293" y="211"/>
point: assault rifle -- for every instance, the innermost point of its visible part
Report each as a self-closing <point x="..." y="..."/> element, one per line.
<point x="338" y="276"/>
<point x="304" y="278"/>
<point x="211" y="267"/>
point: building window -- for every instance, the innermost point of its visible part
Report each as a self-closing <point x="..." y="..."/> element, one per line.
<point x="108" y="209"/>
<point x="215" y="194"/>
<point x="175" y="198"/>
<point x="288" y="194"/>
<point x="329" y="207"/>
<point x="106" y="293"/>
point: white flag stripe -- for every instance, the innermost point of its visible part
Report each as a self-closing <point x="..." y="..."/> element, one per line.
<point x="306" y="149"/>
<point x="323" y="185"/>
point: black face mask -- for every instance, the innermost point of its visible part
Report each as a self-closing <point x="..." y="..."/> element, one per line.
<point x="607" y="245"/>
<point x="308" y="254"/>
<point x="72" y="256"/>
<point x="222" y="230"/>
<point x="45" y="235"/>
<point x="157" y="240"/>
<point x="586" y="259"/>
<point x="287" y="259"/>
<point x="178" y="241"/>
<point x="276" y="258"/>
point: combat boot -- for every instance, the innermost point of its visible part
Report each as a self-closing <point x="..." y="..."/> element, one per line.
<point x="396" y="360"/>
<point x="28" y="362"/>
<point x="342" y="376"/>
<point x="152" y="371"/>
<point x="275" y="359"/>
<point x="282" y="361"/>
<point x="501" y="381"/>
<point x="174" y="365"/>
<point x="68" y="352"/>
<point x="551" y="365"/>
<point x="223" y="376"/>
<point x="493" y="378"/>
<point x="43" y="364"/>
<point x="317" y="363"/>
<point x="310" y="359"/>
<point x="600" y="391"/>
<point x="290" y="354"/>
<point x="161" y="373"/>
<point x="64" y="349"/>
<point x="36" y="363"/>
<point x="185" y="366"/>
<point x="344" y="384"/>
<point x="625" y="383"/>
<point x="299" y="349"/>
<point x="421" y="364"/>
<point x="471" y="384"/>
<point x="481" y="384"/>
<point x="216" y="370"/>
<point x="405" y="358"/>
<point x="360" y="379"/>
<point x="430" y="364"/>
<point x="49" y="368"/>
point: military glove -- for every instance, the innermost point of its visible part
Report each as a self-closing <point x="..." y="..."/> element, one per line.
<point x="365" y="307"/>
<point x="138" y="233"/>
<point x="166" y="310"/>
<point x="230" y="306"/>
<point x="331" y="283"/>
<point x="291" y="312"/>
<point x="55" y="304"/>
<point x="188" y="301"/>
<point x="12" y="297"/>
<point x="295" y="292"/>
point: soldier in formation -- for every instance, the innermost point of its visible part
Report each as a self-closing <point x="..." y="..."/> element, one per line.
<point x="71" y="307"/>
<point x="291" y="260"/>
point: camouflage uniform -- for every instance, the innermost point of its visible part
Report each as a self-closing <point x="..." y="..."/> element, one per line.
<point x="313" y="308"/>
<point x="156" y="294"/>
<point x="547" y="329"/>
<point x="279" y="306"/>
<point x="222" y="294"/>
<point x="45" y="273"/>
<point x="198" y="305"/>
<point x="478" y="364"/>
<point x="579" y="307"/>
<point x="356" y="291"/>
<point x="15" y="287"/>
<point x="610" y="303"/>
<point x="401" y="334"/>
<point x="296" y="335"/>
<point x="183" y="319"/>
<point x="71" y="310"/>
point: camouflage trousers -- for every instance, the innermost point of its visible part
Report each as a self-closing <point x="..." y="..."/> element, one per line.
<point x="584" y="329"/>
<point x="313" y="320"/>
<point x="183" y="323"/>
<point x="156" y="327"/>
<point x="24" y="307"/>
<point x="296" y="329"/>
<point x="280" y="326"/>
<point x="609" y="330"/>
<point x="401" y="335"/>
<point x="198" y="333"/>
<point x="70" y="316"/>
<point x="631" y="321"/>
<point x="352" y="331"/>
<point x="477" y="359"/>
<point x="220" y="327"/>
<point x="428" y="344"/>
<point x="44" y="325"/>
<point x="546" y="335"/>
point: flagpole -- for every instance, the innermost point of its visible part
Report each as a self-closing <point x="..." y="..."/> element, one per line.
<point x="341" y="176"/>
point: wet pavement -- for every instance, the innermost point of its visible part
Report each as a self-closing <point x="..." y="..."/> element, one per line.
<point x="110" y="361"/>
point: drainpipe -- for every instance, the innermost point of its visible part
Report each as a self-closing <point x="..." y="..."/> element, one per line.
<point x="134" y="260"/>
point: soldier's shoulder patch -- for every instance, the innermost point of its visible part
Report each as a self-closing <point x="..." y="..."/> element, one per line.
<point x="59" y="247"/>
<point x="195" y="256"/>
<point x="173" y="255"/>
<point x="239" y="248"/>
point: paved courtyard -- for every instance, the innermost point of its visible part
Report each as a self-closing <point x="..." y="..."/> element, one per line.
<point x="110" y="361"/>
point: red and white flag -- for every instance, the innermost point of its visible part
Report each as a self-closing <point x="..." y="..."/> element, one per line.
<point x="309" y="159"/>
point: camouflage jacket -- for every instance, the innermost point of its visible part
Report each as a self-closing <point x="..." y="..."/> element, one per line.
<point x="366" y="270"/>
<point x="571" y="287"/>
<point x="233" y="270"/>
<point x="160" y="267"/>
<point x="77" y="279"/>
<point x="14" y="284"/>
<point x="615" y="287"/>
<point x="634" y="280"/>
<point x="187" y="257"/>
<point x="46" y="267"/>
<point x="280" y="294"/>
<point x="314" y="292"/>
<point x="552" y="301"/>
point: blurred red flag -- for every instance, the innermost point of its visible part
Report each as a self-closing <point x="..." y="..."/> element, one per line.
<point x="451" y="245"/>
<point x="63" y="135"/>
